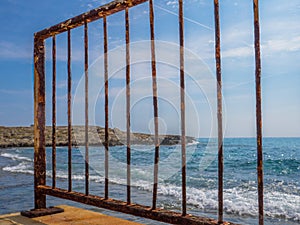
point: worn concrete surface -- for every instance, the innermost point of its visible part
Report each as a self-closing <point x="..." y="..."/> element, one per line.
<point x="71" y="215"/>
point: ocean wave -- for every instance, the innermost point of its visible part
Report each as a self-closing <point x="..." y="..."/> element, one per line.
<point x="194" y="142"/>
<point x="281" y="198"/>
<point x="241" y="201"/>
<point x="16" y="157"/>
<point x="22" y="167"/>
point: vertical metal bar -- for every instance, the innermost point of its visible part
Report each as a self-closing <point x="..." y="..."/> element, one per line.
<point x="106" y="105"/>
<point x="260" y="184"/>
<point x="128" y="106"/>
<point x="86" y="67"/>
<point x="219" y="113"/>
<point x="155" y="107"/>
<point x="182" y="106"/>
<point x="39" y="123"/>
<point x="53" y="111"/>
<point x="69" y="114"/>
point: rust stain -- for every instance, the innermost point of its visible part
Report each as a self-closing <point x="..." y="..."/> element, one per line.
<point x="41" y="189"/>
<point x="92" y="15"/>
<point x="134" y="209"/>
<point x="155" y="104"/>
<point x="260" y="184"/>
<point x="219" y="111"/>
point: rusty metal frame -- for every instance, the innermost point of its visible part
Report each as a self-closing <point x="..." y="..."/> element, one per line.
<point x="128" y="138"/>
<point x="219" y="110"/>
<point x="260" y="183"/>
<point x="40" y="187"/>
<point x="182" y="106"/>
<point x="92" y="15"/>
<point x="133" y="209"/>
<point x="106" y="105"/>
<point x="69" y="114"/>
<point x="39" y="123"/>
<point x="155" y="104"/>
<point x="53" y="111"/>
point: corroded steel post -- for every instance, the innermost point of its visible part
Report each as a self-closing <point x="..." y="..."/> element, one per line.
<point x="155" y="107"/>
<point x="69" y="114"/>
<point x="219" y="113"/>
<point x="41" y="189"/>
<point x="86" y="67"/>
<point x="127" y="36"/>
<point x="39" y="123"/>
<point x="260" y="184"/>
<point x="90" y="16"/>
<point x="53" y="111"/>
<point x="106" y="105"/>
<point x="182" y="106"/>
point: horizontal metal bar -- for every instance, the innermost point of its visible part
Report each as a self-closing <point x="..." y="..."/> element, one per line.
<point x="100" y="12"/>
<point x="133" y="209"/>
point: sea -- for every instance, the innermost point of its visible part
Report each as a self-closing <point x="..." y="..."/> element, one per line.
<point x="281" y="178"/>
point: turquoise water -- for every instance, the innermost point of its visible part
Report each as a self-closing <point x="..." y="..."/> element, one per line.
<point x="281" y="178"/>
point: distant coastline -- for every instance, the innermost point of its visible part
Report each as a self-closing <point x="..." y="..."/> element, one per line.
<point x="24" y="137"/>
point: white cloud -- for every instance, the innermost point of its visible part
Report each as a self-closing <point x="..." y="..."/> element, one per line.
<point x="290" y="45"/>
<point x="62" y="84"/>
<point x="238" y="52"/>
<point x="269" y="47"/>
<point x="11" y="50"/>
<point x="172" y="3"/>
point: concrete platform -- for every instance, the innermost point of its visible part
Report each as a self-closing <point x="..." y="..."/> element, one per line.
<point x="71" y="215"/>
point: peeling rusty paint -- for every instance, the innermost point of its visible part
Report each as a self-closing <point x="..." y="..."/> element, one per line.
<point x="155" y="104"/>
<point x="86" y="84"/>
<point x="127" y="37"/>
<point x="41" y="190"/>
<point x="219" y="111"/>
<point x="39" y="123"/>
<point x="133" y="209"/>
<point x="69" y="114"/>
<point x="105" y="10"/>
<point x="182" y="100"/>
<point x="260" y="185"/>
<point x="41" y="212"/>
<point x="106" y="144"/>
<point x="53" y="111"/>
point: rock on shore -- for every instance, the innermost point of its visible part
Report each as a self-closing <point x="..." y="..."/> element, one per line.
<point x="24" y="137"/>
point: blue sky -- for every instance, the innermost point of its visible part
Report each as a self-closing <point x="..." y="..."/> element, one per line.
<point x="280" y="41"/>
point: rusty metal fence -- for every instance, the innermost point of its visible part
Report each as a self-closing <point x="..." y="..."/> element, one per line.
<point x="152" y="212"/>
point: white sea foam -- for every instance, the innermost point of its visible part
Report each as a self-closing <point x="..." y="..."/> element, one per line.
<point x="16" y="157"/>
<point x="22" y="167"/>
<point x="194" y="142"/>
<point x="241" y="201"/>
<point x="237" y="201"/>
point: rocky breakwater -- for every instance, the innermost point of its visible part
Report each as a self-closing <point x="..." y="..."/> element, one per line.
<point x="24" y="137"/>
